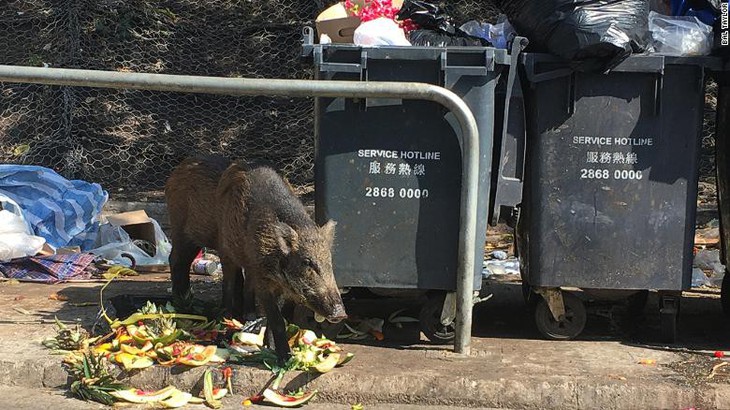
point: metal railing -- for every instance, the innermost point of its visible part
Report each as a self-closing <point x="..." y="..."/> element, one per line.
<point x="311" y="88"/>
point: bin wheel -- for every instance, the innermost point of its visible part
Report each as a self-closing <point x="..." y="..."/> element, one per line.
<point x="637" y="303"/>
<point x="430" y="321"/>
<point x="725" y="293"/>
<point x="567" y="328"/>
<point x="669" y="316"/>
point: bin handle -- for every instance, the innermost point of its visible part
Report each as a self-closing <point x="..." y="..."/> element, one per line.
<point x="518" y="44"/>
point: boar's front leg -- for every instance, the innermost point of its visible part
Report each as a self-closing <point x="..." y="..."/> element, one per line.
<point x="276" y="327"/>
<point x="181" y="257"/>
<point x="232" y="288"/>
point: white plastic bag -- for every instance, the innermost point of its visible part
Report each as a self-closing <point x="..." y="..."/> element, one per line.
<point x="115" y="243"/>
<point x="15" y="239"/>
<point x="679" y="36"/>
<point x="380" y="32"/>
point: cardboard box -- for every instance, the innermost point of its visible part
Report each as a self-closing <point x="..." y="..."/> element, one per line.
<point x="337" y="23"/>
<point x="136" y="223"/>
<point x="67" y="250"/>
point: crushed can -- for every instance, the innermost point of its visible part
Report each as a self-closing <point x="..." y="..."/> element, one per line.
<point x="205" y="266"/>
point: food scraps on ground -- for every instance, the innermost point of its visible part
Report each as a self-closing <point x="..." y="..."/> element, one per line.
<point x="648" y="362"/>
<point x="59" y="297"/>
<point x="159" y="335"/>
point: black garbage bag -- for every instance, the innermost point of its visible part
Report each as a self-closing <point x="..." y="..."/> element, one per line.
<point x="595" y="35"/>
<point x="436" y="38"/>
<point x="435" y="28"/>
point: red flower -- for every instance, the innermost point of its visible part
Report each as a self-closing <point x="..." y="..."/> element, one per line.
<point x="374" y="9"/>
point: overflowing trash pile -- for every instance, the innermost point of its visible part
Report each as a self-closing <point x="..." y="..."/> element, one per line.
<point x="593" y="36"/>
<point x="52" y="229"/>
<point x="158" y="335"/>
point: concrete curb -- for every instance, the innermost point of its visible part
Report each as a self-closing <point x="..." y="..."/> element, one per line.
<point x="424" y="388"/>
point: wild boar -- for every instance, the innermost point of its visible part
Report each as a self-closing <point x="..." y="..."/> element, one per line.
<point x="253" y="218"/>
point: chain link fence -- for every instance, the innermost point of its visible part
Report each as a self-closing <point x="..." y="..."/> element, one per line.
<point x="129" y="141"/>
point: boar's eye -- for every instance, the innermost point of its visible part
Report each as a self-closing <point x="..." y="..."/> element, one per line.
<point x="310" y="263"/>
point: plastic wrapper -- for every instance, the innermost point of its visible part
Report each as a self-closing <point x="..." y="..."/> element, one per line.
<point x="115" y="245"/>
<point x="595" y="35"/>
<point x="499" y="34"/>
<point x="380" y="32"/>
<point x="679" y="36"/>
<point x="15" y="238"/>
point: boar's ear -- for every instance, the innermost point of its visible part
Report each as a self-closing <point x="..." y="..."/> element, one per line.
<point x="286" y="238"/>
<point x="329" y="230"/>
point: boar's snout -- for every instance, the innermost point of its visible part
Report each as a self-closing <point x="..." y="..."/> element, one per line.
<point x="338" y="314"/>
<point x="330" y="307"/>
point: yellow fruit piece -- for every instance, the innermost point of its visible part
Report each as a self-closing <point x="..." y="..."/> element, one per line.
<point x="250" y="339"/>
<point x="130" y="361"/>
<point x="178" y="399"/>
<point x="328" y="364"/>
<point x="132" y="350"/>
<point x="104" y="348"/>
<point x="198" y="357"/>
<point x="196" y="400"/>
<point x="220" y="356"/>
<point x="346" y="358"/>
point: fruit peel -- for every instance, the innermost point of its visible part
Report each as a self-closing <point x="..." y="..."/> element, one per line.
<point x="282" y="400"/>
<point x="142" y="397"/>
<point x="328" y="363"/>
<point x="178" y="399"/>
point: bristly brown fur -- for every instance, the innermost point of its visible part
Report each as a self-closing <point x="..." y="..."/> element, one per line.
<point x="253" y="218"/>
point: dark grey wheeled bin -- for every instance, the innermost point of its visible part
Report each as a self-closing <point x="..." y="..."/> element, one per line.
<point x="611" y="185"/>
<point x="389" y="171"/>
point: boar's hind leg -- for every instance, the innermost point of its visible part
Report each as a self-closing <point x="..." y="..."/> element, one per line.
<point x="248" y="305"/>
<point x="181" y="256"/>
<point x="233" y="297"/>
<point x="276" y="328"/>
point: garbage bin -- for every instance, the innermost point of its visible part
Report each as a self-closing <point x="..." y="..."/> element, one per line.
<point x="722" y="163"/>
<point x="389" y="171"/>
<point x="611" y="184"/>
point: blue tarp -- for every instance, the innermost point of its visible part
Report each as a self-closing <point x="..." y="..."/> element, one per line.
<point x="62" y="211"/>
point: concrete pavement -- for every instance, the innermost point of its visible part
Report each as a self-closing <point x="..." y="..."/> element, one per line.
<point x="510" y="367"/>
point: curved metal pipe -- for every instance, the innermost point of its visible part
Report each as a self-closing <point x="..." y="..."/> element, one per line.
<point x="312" y="88"/>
